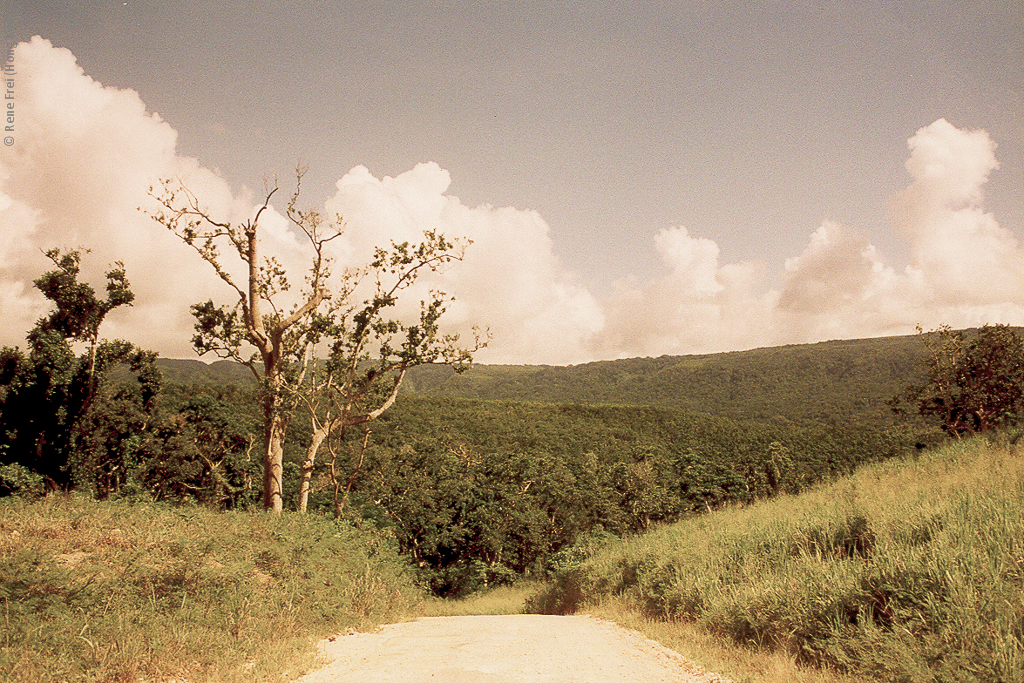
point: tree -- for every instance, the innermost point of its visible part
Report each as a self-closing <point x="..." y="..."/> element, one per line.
<point x="975" y="380"/>
<point x="201" y="451"/>
<point x="50" y="399"/>
<point x="371" y="354"/>
<point x="285" y="339"/>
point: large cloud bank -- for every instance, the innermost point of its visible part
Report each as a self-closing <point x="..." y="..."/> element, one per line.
<point x="86" y="155"/>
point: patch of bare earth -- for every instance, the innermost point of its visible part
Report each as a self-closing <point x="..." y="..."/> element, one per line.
<point x="501" y="649"/>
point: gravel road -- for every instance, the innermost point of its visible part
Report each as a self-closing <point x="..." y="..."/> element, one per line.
<point x="503" y="649"/>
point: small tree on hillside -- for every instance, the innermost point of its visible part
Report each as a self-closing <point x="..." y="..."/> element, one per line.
<point x="975" y="380"/>
<point x="285" y="339"/>
<point x="51" y="398"/>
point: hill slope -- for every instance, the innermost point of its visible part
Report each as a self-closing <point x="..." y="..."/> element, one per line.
<point x="828" y="382"/>
<point x="193" y="371"/>
<point x="908" y="570"/>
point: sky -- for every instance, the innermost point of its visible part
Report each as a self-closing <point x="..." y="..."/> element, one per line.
<point x="637" y="179"/>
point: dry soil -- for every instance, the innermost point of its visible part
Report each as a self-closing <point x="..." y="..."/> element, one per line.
<point x="500" y="649"/>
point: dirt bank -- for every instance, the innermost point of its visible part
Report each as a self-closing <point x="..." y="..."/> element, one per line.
<point x="500" y="649"/>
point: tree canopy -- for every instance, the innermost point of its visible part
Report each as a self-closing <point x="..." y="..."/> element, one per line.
<point x="975" y="380"/>
<point x="51" y="399"/>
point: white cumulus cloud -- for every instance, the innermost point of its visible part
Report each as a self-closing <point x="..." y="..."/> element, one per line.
<point x="965" y="270"/>
<point x="960" y="252"/>
<point x="699" y="306"/>
<point x="510" y="280"/>
<point x="86" y="156"/>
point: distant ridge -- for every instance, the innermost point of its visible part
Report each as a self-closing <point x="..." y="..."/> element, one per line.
<point x="193" y="371"/>
<point x="826" y="382"/>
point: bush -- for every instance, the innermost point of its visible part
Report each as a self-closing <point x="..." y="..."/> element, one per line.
<point x="975" y="380"/>
<point x="19" y="480"/>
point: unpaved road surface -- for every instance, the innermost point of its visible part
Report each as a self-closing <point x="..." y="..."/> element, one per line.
<point x="503" y="649"/>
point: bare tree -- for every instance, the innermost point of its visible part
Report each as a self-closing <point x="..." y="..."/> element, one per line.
<point x="370" y="353"/>
<point x="285" y="339"/>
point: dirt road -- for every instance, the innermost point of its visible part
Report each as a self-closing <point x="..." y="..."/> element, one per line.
<point x="503" y="649"/>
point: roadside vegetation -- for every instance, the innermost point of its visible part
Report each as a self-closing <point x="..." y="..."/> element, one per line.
<point x="909" y="570"/>
<point x="122" y="591"/>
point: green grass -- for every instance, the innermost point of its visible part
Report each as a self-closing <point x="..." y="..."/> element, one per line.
<point x="110" y="591"/>
<point x="905" y="571"/>
<point x="505" y="599"/>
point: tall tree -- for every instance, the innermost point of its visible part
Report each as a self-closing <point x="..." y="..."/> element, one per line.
<point x="371" y="353"/>
<point x="285" y="338"/>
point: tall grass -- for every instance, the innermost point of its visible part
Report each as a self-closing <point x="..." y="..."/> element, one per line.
<point x="905" y="571"/>
<point x="110" y="591"/>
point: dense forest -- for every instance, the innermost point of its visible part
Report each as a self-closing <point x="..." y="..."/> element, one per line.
<point x="828" y="382"/>
<point x="483" y="491"/>
<point x="479" y="491"/>
<point x="809" y="383"/>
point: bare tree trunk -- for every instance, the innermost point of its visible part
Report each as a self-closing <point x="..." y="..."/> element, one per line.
<point x="275" y="425"/>
<point x="319" y="434"/>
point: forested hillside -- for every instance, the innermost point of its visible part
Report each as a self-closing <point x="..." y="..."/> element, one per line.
<point x="829" y="382"/>
<point x="193" y="371"/>
<point x="505" y="470"/>
<point x="481" y="491"/>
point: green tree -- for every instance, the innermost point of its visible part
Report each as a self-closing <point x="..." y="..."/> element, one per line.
<point x="51" y="399"/>
<point x="201" y="451"/>
<point x="113" y="439"/>
<point x="975" y="380"/>
<point x="366" y="347"/>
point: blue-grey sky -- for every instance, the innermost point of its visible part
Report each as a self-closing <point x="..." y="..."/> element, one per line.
<point x="741" y="127"/>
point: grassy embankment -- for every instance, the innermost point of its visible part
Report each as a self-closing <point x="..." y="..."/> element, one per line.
<point x="904" y="571"/>
<point x="111" y="591"/>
